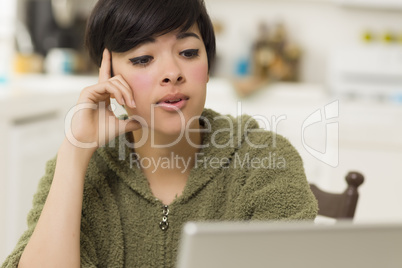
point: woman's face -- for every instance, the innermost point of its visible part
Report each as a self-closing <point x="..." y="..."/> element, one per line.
<point x="168" y="75"/>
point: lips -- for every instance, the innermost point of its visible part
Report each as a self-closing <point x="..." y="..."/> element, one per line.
<point x="169" y="99"/>
<point x="173" y="102"/>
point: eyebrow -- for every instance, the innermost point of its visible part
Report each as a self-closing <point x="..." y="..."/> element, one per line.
<point x="183" y="35"/>
<point x="147" y="40"/>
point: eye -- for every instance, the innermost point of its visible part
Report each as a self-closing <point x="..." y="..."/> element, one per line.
<point x="190" y="53"/>
<point x="142" y="60"/>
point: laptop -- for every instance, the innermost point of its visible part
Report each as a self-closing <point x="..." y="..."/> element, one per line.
<point x="301" y="245"/>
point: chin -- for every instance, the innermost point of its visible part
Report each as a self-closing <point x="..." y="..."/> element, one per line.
<point x="174" y="124"/>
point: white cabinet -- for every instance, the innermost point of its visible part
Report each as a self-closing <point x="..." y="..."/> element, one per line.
<point x="32" y="114"/>
<point x="28" y="141"/>
<point x="31" y="143"/>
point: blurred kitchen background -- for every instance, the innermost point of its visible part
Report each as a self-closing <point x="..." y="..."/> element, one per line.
<point x="326" y="74"/>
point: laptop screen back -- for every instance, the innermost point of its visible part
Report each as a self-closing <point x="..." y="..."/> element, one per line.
<point x="303" y="245"/>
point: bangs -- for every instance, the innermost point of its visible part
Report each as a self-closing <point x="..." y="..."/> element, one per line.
<point x="120" y="25"/>
<point x="135" y="24"/>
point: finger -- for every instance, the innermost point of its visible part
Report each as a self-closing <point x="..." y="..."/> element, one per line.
<point x="121" y="79"/>
<point x="116" y="91"/>
<point x="101" y="92"/>
<point x="125" y="89"/>
<point x="106" y="68"/>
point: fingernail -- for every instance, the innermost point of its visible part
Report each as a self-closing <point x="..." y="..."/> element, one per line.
<point x="133" y="104"/>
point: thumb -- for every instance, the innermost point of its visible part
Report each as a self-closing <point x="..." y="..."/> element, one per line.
<point x="128" y="125"/>
<point x="132" y="125"/>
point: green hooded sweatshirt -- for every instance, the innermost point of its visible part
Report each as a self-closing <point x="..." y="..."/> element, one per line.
<point x="242" y="173"/>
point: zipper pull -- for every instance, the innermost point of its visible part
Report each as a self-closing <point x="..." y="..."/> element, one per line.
<point x="164" y="224"/>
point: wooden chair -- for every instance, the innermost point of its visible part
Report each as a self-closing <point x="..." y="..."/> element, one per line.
<point x="339" y="206"/>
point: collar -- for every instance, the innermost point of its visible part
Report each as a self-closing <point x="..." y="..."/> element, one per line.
<point x="222" y="136"/>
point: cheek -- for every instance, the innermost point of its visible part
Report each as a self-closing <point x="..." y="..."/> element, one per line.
<point x="200" y="73"/>
<point x="140" y="82"/>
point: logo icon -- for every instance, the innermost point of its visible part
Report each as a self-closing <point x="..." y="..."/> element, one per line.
<point x="330" y="155"/>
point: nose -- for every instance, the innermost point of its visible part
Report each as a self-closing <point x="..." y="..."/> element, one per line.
<point x="172" y="74"/>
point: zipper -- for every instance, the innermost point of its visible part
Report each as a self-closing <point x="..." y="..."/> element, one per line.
<point x="164" y="224"/>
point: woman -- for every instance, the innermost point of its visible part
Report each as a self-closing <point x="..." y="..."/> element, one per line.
<point x="120" y="190"/>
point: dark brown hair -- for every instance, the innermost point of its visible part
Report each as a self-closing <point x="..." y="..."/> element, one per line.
<point x="120" y="25"/>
